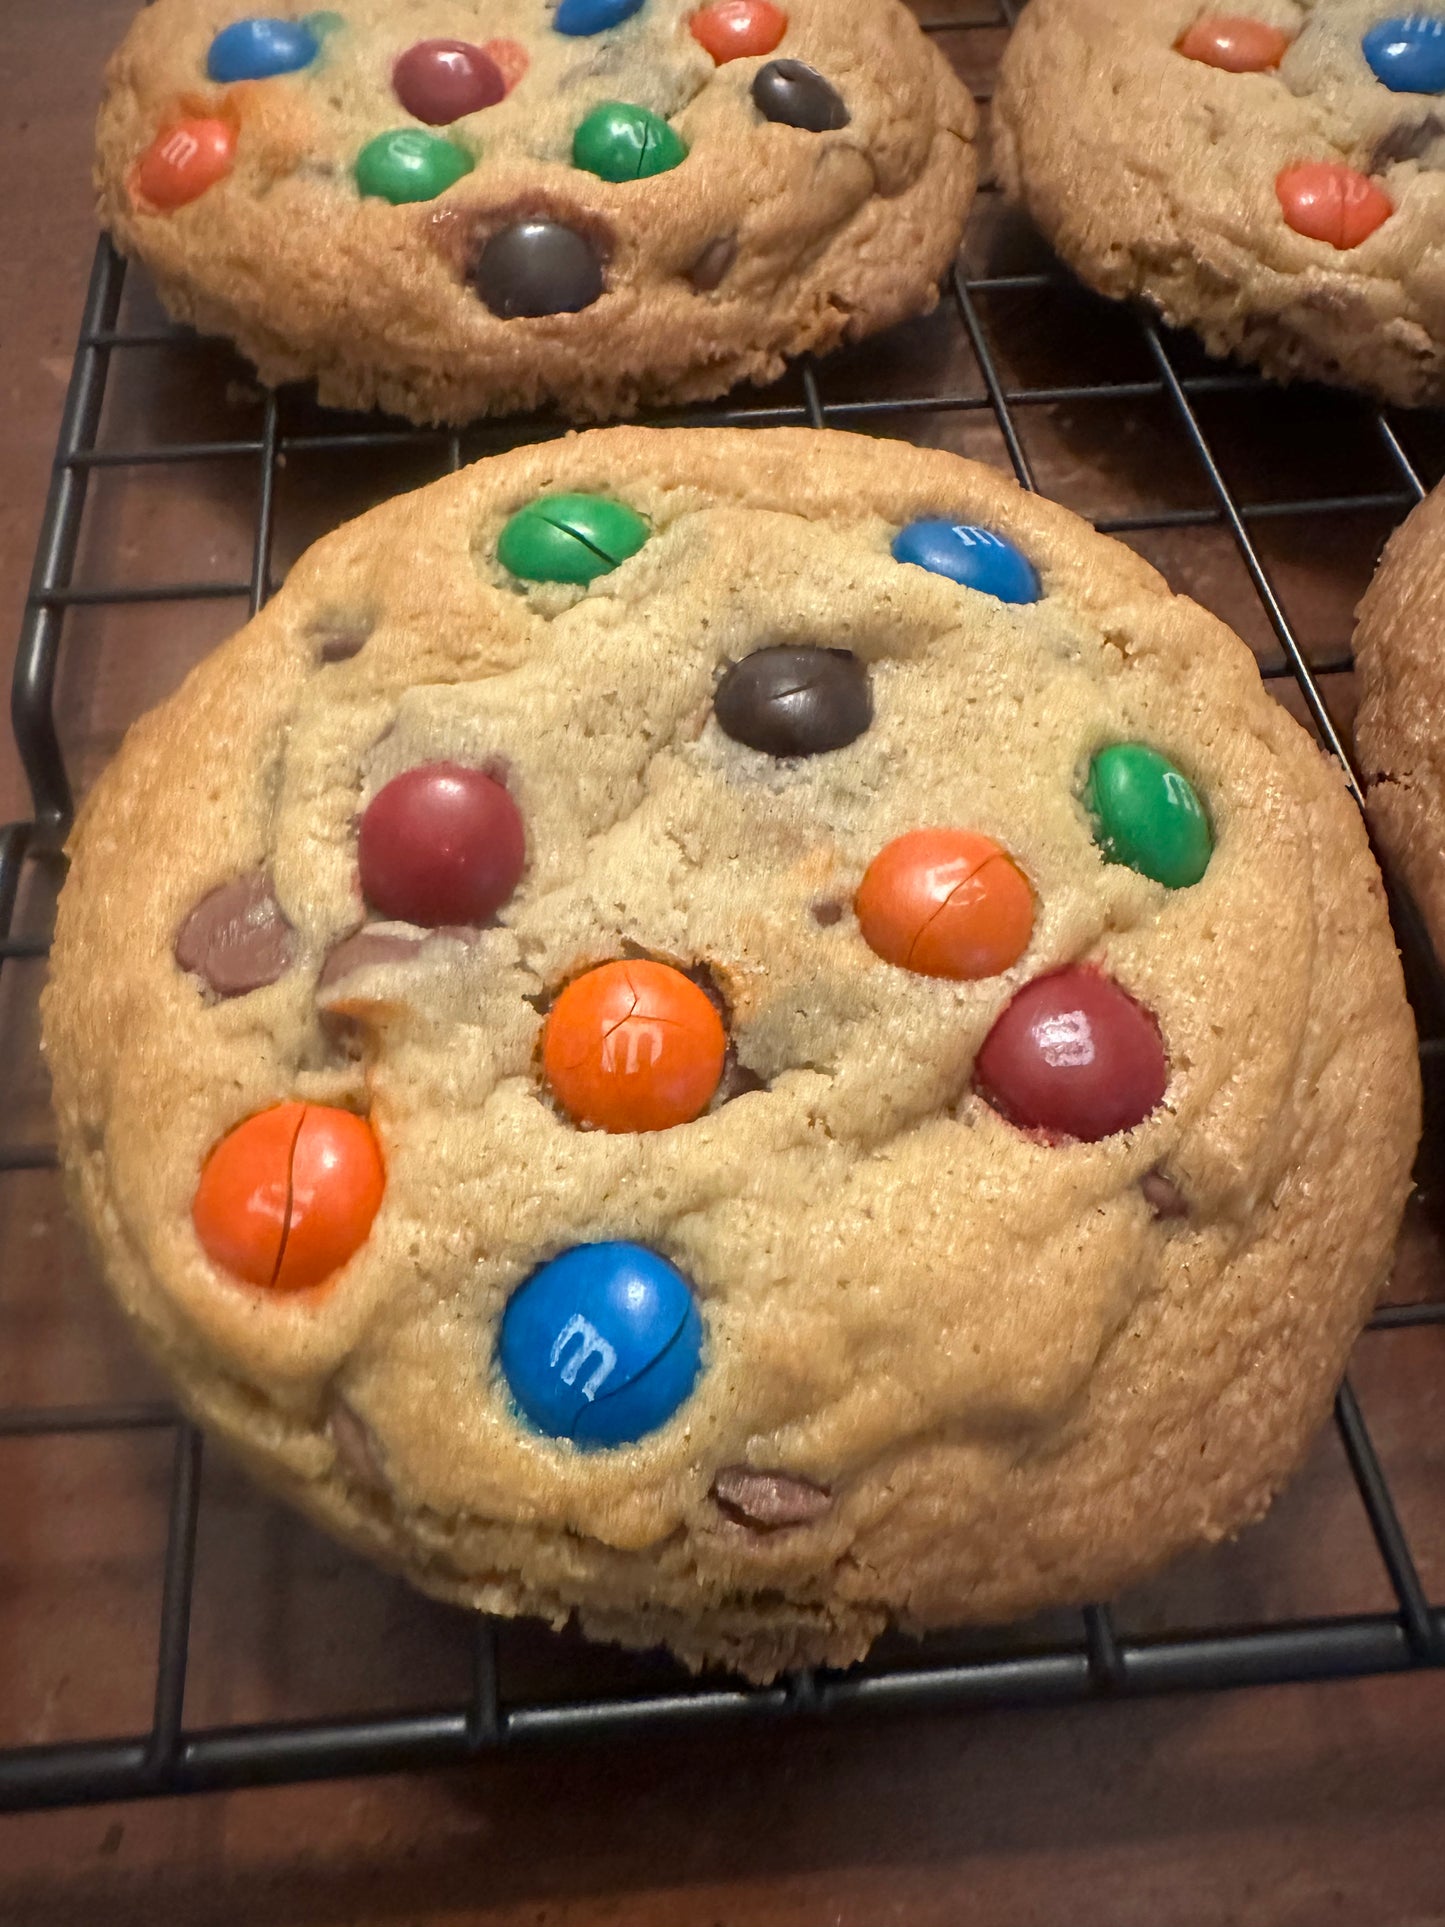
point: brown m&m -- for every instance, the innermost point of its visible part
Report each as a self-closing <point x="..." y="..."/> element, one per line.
<point x="796" y="95"/>
<point x="537" y="268"/>
<point x="237" y="938"/>
<point x="795" y="702"/>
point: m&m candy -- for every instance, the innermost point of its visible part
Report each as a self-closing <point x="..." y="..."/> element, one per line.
<point x="184" y="160"/>
<point x="409" y="165"/>
<point x="737" y="29"/>
<point x="1327" y="201"/>
<point x="570" y="538"/>
<point x="538" y="267"/>
<point x="1146" y="815"/>
<point x="1407" y="53"/>
<point x="440" y="844"/>
<point x="581" y="17"/>
<point x="1073" y="1055"/>
<point x="287" y="1197"/>
<point x="795" y="702"/>
<point x="258" y="48"/>
<point x="974" y="557"/>
<point x="633" y="1046"/>
<point x="796" y="95"/>
<point x="439" y="81"/>
<point x="619" y="142"/>
<point x="1234" y="42"/>
<point x="945" y="903"/>
<point x="602" y="1345"/>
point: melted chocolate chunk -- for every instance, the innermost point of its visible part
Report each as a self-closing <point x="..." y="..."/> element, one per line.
<point x="712" y="266"/>
<point x="828" y="910"/>
<point x="768" y="1501"/>
<point x="363" y="948"/>
<point x="355" y="1447"/>
<point x="796" y="95"/>
<point x="237" y="939"/>
<point x="1163" y="1195"/>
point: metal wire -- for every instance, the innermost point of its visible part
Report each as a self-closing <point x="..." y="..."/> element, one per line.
<point x="1097" y="1662"/>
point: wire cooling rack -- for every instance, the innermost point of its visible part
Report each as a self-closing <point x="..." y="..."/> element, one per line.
<point x="1270" y="505"/>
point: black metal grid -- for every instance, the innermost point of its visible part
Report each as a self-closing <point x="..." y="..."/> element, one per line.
<point x="1097" y="1660"/>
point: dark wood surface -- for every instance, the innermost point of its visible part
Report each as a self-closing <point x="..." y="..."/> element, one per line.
<point x="1272" y="1808"/>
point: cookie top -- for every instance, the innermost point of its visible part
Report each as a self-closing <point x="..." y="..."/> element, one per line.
<point x="1269" y="174"/>
<point x="742" y="1033"/>
<point x="486" y="205"/>
<point x="1400" y="658"/>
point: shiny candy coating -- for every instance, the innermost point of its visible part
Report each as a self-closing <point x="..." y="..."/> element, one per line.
<point x="183" y="161"/>
<point x="633" y="1046"/>
<point x="1327" y="201"/>
<point x="972" y="556"/>
<point x="580" y="17"/>
<point x="602" y="1345"/>
<point x="738" y="29"/>
<point x="1235" y="43"/>
<point x="287" y="1197"/>
<point x="1407" y="53"/>
<point x="795" y="702"/>
<point x="1147" y="815"/>
<point x="439" y="81"/>
<point x="569" y="538"/>
<point x="440" y="844"/>
<point x="620" y="142"/>
<point x="409" y="165"/>
<point x="796" y="95"/>
<point x="1075" y="1056"/>
<point x="258" y="48"/>
<point x="945" y="903"/>
<point x="537" y="268"/>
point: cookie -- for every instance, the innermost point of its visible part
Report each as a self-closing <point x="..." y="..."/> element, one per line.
<point x="1400" y="660"/>
<point x="1271" y="177"/>
<point x="785" y="1042"/>
<point x="463" y="209"/>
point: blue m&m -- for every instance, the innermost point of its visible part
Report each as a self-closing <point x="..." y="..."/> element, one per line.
<point x="1407" y="53"/>
<point x="257" y="48"/>
<point x="975" y="557"/>
<point x="578" y="17"/>
<point x="602" y="1345"/>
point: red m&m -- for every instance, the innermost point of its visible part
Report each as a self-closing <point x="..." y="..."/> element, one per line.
<point x="735" y="29"/>
<point x="441" y="844"/>
<point x="184" y="160"/>
<point x="945" y="903"/>
<point x="1074" y="1055"/>
<point x="1327" y="201"/>
<point x="288" y="1196"/>
<point x="1235" y="43"/>
<point x="441" y="80"/>
<point x="633" y="1046"/>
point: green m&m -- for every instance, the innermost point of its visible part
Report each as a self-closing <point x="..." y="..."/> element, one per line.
<point x="410" y="165"/>
<point x="570" y="538"/>
<point x="1146" y="815"/>
<point x="624" y="143"/>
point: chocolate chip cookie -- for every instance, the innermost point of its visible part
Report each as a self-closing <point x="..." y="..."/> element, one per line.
<point x="1400" y="658"/>
<point x="1270" y="176"/>
<point x="747" y="1036"/>
<point x="475" y="206"/>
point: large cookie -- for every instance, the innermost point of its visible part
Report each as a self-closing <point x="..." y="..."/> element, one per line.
<point x="472" y="206"/>
<point x="747" y="1035"/>
<point x="1271" y="176"/>
<point x="1400" y="657"/>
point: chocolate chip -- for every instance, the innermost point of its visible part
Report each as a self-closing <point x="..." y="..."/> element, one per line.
<point x="795" y="702"/>
<point x="536" y="268"/>
<point x="355" y="1447"/>
<point x="1165" y="1197"/>
<point x="363" y="948"/>
<point x="342" y="644"/>
<point x="712" y="266"/>
<point x="736" y="1080"/>
<point x="1407" y="140"/>
<point x="237" y="939"/>
<point x="797" y="95"/>
<point x="828" y="911"/>
<point x="768" y="1501"/>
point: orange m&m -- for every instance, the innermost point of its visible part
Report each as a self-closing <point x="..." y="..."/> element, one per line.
<point x="633" y="1047"/>
<point x="733" y="29"/>
<point x="1234" y="42"/>
<point x="1328" y="201"/>
<point x="945" y="903"/>
<point x="184" y="160"/>
<point x="287" y="1197"/>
